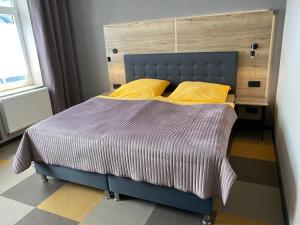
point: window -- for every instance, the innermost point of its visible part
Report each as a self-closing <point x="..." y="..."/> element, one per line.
<point x="14" y="60"/>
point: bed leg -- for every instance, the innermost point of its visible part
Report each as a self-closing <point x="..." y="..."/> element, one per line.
<point x="207" y="219"/>
<point x="117" y="196"/>
<point x="106" y="194"/>
<point x="44" y="178"/>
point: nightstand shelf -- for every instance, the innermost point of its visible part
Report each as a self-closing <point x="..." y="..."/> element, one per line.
<point x="251" y="101"/>
<point x="255" y="102"/>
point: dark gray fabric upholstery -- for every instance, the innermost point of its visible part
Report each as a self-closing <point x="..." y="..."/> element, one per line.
<point x="95" y="180"/>
<point x="159" y="194"/>
<point x="51" y="28"/>
<point x="213" y="67"/>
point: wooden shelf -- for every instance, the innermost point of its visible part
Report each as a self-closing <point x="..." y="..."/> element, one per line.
<point x="251" y="101"/>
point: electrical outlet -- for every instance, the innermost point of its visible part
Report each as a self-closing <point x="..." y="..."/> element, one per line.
<point x="254" y="83"/>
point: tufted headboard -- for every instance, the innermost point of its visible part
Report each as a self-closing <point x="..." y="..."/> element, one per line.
<point x="214" y="67"/>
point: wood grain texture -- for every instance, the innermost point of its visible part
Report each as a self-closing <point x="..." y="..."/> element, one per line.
<point x="232" y="32"/>
<point x="251" y="101"/>
<point x="139" y="37"/>
<point x="227" y="32"/>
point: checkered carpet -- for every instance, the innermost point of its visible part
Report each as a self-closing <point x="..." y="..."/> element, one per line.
<point x="254" y="199"/>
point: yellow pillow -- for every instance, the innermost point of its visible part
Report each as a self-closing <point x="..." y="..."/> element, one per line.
<point x="193" y="91"/>
<point x="141" y="88"/>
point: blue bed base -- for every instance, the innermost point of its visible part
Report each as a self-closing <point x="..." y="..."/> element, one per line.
<point x="90" y="179"/>
<point x="159" y="194"/>
<point x="126" y="186"/>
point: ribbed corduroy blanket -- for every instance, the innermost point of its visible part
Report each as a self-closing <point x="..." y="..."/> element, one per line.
<point x="161" y="143"/>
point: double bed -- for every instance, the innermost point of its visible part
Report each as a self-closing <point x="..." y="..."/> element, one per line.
<point x="157" y="151"/>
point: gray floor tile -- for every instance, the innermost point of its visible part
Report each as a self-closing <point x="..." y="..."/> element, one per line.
<point x="125" y="212"/>
<point x="32" y="190"/>
<point x="254" y="134"/>
<point x="255" y="201"/>
<point x="40" y="217"/>
<point x="255" y="171"/>
<point x="9" y="179"/>
<point x="247" y="200"/>
<point x="8" y="151"/>
<point x="12" y="211"/>
<point x="170" y="216"/>
<point x="7" y="176"/>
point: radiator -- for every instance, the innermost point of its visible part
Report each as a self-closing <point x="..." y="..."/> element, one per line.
<point x="21" y="110"/>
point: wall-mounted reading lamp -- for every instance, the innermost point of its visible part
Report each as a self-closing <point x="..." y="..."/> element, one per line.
<point x="253" y="47"/>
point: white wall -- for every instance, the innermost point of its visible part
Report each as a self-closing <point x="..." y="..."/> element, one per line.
<point x="287" y="119"/>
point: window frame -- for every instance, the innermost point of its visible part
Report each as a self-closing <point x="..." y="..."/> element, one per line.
<point x="14" y="11"/>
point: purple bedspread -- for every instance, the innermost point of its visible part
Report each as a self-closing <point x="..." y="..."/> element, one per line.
<point x="161" y="143"/>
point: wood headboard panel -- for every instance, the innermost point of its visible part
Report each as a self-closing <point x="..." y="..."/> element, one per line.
<point x="226" y="32"/>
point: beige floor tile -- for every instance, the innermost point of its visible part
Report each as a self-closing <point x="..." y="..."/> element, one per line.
<point x="228" y="219"/>
<point x="253" y="150"/>
<point x="4" y="163"/>
<point x="72" y="201"/>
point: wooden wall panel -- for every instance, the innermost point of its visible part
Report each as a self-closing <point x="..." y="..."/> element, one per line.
<point x="227" y="32"/>
<point x="232" y="32"/>
<point x="139" y="37"/>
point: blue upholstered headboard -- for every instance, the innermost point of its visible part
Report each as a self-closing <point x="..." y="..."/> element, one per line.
<point x="214" y="67"/>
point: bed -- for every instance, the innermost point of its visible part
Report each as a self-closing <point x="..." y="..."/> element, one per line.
<point x="215" y="67"/>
